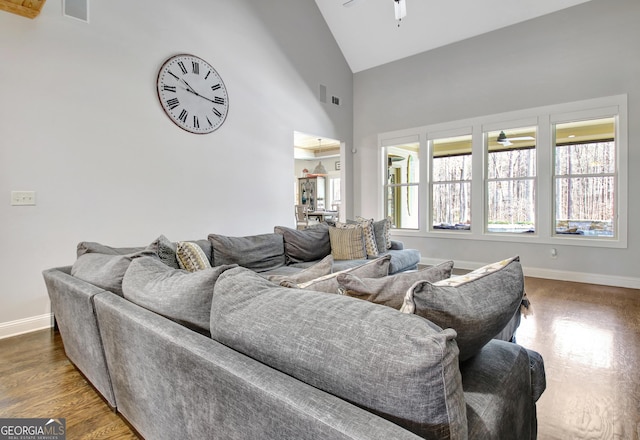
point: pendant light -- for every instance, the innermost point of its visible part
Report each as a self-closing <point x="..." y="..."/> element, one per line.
<point x="320" y="170"/>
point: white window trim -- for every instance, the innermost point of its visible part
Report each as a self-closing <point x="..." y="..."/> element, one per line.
<point x="543" y="118"/>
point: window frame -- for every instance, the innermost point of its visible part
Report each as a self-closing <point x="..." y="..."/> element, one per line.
<point x="544" y="119"/>
<point x="395" y="142"/>
<point x="430" y="138"/>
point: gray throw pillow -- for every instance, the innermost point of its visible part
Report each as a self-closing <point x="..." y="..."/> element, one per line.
<point x="184" y="297"/>
<point x="321" y="268"/>
<point x="310" y="244"/>
<point x="477" y="305"/>
<point x="166" y="251"/>
<point x="381" y="229"/>
<point x="329" y="283"/>
<point x="256" y="252"/>
<point x="398" y="366"/>
<point x="391" y="290"/>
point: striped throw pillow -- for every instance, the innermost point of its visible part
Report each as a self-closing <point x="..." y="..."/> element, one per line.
<point x="347" y="244"/>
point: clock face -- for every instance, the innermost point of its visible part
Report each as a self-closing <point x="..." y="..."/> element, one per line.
<point x="192" y="94"/>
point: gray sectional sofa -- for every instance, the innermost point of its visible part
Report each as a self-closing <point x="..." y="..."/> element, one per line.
<point x="250" y="348"/>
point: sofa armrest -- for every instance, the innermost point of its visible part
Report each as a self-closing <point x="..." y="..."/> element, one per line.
<point x="72" y="306"/>
<point x="397" y="245"/>
<point x="497" y="385"/>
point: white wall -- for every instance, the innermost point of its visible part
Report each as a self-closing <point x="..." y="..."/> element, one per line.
<point x="81" y="125"/>
<point x="587" y="51"/>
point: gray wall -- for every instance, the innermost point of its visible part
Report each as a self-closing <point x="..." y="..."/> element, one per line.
<point x="587" y="51"/>
<point x="80" y="124"/>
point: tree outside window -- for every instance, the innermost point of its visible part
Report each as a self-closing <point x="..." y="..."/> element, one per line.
<point x="585" y="178"/>
<point x="511" y="179"/>
<point x="451" y="183"/>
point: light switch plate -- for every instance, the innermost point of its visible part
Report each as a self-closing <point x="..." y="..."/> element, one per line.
<point x="23" y="198"/>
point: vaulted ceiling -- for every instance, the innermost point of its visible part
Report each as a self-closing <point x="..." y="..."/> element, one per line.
<point x="369" y="35"/>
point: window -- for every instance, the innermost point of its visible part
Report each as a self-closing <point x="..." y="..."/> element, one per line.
<point x="402" y="185"/>
<point x="451" y="183"/>
<point x="511" y="178"/>
<point x="585" y="178"/>
<point x="551" y="175"/>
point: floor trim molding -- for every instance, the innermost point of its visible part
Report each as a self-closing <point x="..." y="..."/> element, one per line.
<point x="26" y="325"/>
<point x="551" y="274"/>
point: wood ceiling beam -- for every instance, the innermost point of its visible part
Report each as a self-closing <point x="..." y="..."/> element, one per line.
<point x="25" y="8"/>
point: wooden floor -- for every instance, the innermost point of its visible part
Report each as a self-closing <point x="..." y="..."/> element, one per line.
<point x="588" y="335"/>
<point x="37" y="380"/>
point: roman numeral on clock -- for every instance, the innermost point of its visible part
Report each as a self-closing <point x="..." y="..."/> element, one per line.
<point x="216" y="112"/>
<point x="218" y="100"/>
<point x="181" y="65"/>
<point x="173" y="103"/>
<point x="167" y="88"/>
<point x="215" y="87"/>
<point x="183" y="116"/>
<point x="195" y="67"/>
<point x="196" y="122"/>
<point x="207" y="75"/>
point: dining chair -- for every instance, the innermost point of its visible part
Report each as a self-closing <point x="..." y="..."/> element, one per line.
<point x="302" y="221"/>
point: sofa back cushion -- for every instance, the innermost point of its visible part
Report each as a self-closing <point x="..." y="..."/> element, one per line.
<point x="390" y="291"/>
<point x="310" y="244"/>
<point x="401" y="367"/>
<point x="184" y="297"/>
<point x="329" y="283"/>
<point x="477" y="305"/>
<point x="259" y="253"/>
<point x="104" y="270"/>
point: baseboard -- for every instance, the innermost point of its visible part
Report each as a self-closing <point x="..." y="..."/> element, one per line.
<point x="15" y="328"/>
<point x="551" y="274"/>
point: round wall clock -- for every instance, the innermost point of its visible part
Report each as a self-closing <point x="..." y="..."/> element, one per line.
<point x="192" y="94"/>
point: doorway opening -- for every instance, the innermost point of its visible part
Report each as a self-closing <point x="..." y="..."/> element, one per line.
<point x="318" y="172"/>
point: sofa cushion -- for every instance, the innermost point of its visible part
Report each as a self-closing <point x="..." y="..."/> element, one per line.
<point x="256" y="252"/>
<point x="477" y="305"/>
<point x="184" y="297"/>
<point x="92" y="247"/>
<point x="191" y="257"/>
<point x="403" y="259"/>
<point x="347" y="243"/>
<point x="329" y="283"/>
<point x="310" y="244"/>
<point x="321" y="268"/>
<point x="399" y="366"/>
<point x="390" y="290"/>
<point x="104" y="270"/>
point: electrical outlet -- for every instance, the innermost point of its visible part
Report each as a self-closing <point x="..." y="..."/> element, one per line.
<point x="23" y="198"/>
<point x="554" y="253"/>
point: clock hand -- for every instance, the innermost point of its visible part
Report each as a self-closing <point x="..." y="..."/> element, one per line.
<point x="190" y="89"/>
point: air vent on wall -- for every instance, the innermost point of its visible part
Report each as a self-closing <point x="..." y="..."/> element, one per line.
<point x="323" y="93"/>
<point x="78" y="9"/>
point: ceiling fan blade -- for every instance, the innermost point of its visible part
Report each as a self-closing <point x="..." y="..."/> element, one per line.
<point x="522" y="138"/>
